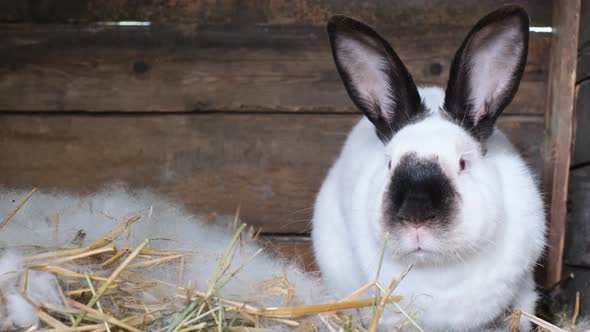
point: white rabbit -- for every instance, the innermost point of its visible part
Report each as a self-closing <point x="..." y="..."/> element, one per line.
<point x="428" y="170"/>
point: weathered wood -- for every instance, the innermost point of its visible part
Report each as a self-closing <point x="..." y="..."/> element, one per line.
<point x="577" y="251"/>
<point x="270" y="164"/>
<point x="559" y="127"/>
<point x="294" y="249"/>
<point x="238" y="13"/>
<point x="583" y="71"/>
<point x="584" y="54"/>
<point x="584" y="26"/>
<point x="576" y="279"/>
<point x="576" y="255"/>
<point x="162" y="69"/>
<point x="581" y="150"/>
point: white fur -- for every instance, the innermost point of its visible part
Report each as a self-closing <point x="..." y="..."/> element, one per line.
<point x="469" y="279"/>
<point x="41" y="288"/>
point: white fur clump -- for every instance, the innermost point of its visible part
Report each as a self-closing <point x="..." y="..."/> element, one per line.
<point x="41" y="287"/>
<point x="60" y="220"/>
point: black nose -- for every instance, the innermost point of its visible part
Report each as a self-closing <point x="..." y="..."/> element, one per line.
<point x="420" y="192"/>
<point x="417" y="207"/>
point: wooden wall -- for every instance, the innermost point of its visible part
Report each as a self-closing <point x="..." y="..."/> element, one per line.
<point x="215" y="103"/>
<point x="577" y="250"/>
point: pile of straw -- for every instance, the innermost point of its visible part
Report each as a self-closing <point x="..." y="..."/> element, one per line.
<point x="117" y="284"/>
<point x="103" y="287"/>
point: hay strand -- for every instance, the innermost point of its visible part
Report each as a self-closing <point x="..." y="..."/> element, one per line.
<point x="98" y="305"/>
<point x="576" y="309"/>
<point x="16" y="208"/>
<point x="539" y="322"/>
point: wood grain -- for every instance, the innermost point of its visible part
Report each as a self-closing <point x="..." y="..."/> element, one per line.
<point x="263" y="12"/>
<point x="576" y="257"/>
<point x="576" y="279"/>
<point x="584" y="26"/>
<point x="577" y="250"/>
<point x="581" y="149"/>
<point x="287" y="69"/>
<point x="583" y="72"/>
<point x="559" y="128"/>
<point x="270" y="164"/>
<point x="578" y="227"/>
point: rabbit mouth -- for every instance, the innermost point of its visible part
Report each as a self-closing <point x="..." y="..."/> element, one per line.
<point x="412" y="242"/>
<point x="419" y="251"/>
<point x="418" y="255"/>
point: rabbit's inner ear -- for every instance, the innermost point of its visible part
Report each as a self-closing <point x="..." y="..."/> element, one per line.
<point x="487" y="69"/>
<point x="366" y="68"/>
<point x="496" y="56"/>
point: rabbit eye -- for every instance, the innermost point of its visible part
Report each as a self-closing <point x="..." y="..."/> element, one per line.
<point x="462" y="164"/>
<point x="389" y="164"/>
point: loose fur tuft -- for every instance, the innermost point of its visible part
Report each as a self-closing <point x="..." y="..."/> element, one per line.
<point x="19" y="307"/>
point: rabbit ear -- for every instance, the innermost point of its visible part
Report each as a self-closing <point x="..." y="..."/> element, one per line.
<point x="487" y="69"/>
<point x="374" y="76"/>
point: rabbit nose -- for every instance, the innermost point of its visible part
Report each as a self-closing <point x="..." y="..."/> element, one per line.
<point x="417" y="208"/>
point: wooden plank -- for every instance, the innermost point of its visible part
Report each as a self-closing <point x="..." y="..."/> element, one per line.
<point x="584" y="53"/>
<point x="584" y="26"/>
<point x="239" y="13"/>
<point x="583" y="70"/>
<point x="270" y="164"/>
<point x="576" y="257"/>
<point x="559" y="127"/>
<point x="285" y="69"/>
<point x="298" y="250"/>
<point x="581" y="150"/>
<point x="578" y="222"/>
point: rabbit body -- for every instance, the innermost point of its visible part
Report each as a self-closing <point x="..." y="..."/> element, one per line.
<point x="464" y="294"/>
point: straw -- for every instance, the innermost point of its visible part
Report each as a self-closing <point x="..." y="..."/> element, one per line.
<point x="15" y="210"/>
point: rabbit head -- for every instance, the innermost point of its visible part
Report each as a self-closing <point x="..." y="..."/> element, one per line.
<point x="438" y="173"/>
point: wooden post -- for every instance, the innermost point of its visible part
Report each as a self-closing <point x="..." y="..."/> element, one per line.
<point x="559" y="127"/>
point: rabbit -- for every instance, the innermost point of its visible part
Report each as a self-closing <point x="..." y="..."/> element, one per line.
<point x="428" y="181"/>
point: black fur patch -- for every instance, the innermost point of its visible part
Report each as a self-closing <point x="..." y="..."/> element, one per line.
<point x="385" y="128"/>
<point x="419" y="191"/>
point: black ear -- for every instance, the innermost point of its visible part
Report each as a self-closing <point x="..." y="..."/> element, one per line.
<point x="487" y="69"/>
<point x="374" y="76"/>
